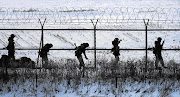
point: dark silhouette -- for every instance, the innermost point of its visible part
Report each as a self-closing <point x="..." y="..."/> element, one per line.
<point x="43" y="54"/>
<point x="25" y="62"/>
<point x="4" y="62"/>
<point x="115" y="48"/>
<point x="157" y="52"/>
<point x="79" y="50"/>
<point x="11" y="47"/>
<point x="6" y="59"/>
<point x="116" y="53"/>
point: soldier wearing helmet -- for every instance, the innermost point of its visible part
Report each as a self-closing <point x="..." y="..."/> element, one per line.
<point x="79" y="50"/>
<point x="43" y="54"/>
<point x="115" y="48"/>
<point x="157" y="52"/>
<point x="11" y="47"/>
<point x="116" y="53"/>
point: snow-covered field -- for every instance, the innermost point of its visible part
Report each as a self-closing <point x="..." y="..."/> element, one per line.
<point x="84" y="87"/>
<point x="112" y="14"/>
<point x="89" y="3"/>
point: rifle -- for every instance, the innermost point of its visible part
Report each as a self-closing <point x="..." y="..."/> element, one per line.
<point x="151" y="48"/>
<point x="163" y="42"/>
<point x="164" y="38"/>
<point x="75" y="45"/>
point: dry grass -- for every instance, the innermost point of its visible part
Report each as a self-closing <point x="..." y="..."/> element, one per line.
<point x="64" y="77"/>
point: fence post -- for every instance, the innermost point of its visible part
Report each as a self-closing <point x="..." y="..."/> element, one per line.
<point x="41" y="45"/>
<point x="42" y="36"/>
<point x="146" y="24"/>
<point x="94" y="25"/>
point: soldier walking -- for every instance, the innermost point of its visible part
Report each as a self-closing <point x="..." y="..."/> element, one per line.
<point x="11" y="47"/>
<point x="116" y="53"/>
<point x="115" y="48"/>
<point x="157" y="52"/>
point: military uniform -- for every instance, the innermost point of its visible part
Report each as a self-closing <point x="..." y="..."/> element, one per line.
<point x="157" y="52"/>
<point x="115" y="48"/>
<point x="78" y="53"/>
<point x="11" y="47"/>
<point x="43" y="54"/>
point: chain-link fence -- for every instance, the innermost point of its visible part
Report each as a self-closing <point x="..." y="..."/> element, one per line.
<point x="80" y="18"/>
<point x="64" y="27"/>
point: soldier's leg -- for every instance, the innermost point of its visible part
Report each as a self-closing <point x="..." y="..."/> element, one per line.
<point x="156" y="61"/>
<point x="80" y="61"/>
<point x="161" y="61"/>
<point x="117" y="59"/>
<point x="44" y="62"/>
<point x="12" y="56"/>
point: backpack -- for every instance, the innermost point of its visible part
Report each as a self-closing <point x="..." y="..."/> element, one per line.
<point x="116" y="51"/>
<point x="154" y="50"/>
<point x="78" y="51"/>
<point x="112" y="50"/>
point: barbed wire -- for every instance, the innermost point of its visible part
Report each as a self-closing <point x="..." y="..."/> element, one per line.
<point x="123" y="17"/>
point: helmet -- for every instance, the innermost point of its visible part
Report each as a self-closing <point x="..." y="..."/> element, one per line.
<point x="12" y="35"/>
<point x="116" y="39"/>
<point x="159" y="38"/>
<point x="49" y="45"/>
<point x="86" y="44"/>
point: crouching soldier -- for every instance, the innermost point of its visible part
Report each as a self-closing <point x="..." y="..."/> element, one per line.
<point x="79" y="50"/>
<point x="43" y="54"/>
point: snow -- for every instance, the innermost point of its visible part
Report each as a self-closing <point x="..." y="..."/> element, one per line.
<point x="89" y="3"/>
<point x="91" y="87"/>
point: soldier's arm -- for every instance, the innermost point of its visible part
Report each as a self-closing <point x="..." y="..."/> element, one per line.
<point x="85" y="54"/>
<point x="7" y="47"/>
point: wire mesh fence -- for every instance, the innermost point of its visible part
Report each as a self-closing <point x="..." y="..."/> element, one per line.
<point x="64" y="27"/>
<point x="80" y="18"/>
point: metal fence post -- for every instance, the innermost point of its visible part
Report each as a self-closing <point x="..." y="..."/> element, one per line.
<point x="94" y="41"/>
<point x="146" y="38"/>
<point x="42" y="37"/>
<point x="41" y="45"/>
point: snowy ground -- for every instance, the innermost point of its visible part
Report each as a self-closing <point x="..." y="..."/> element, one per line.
<point x="57" y="87"/>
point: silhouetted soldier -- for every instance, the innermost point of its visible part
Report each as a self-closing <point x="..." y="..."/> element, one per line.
<point x="115" y="48"/>
<point x="115" y="51"/>
<point x="11" y="47"/>
<point x="157" y="52"/>
<point x="43" y="54"/>
<point x="79" y="50"/>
